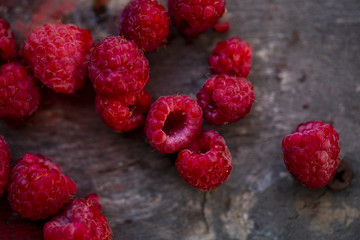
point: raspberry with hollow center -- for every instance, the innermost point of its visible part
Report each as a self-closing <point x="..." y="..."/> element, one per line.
<point x="207" y="163"/>
<point x="8" y="47"/>
<point x="173" y="123"/>
<point x="5" y="161"/>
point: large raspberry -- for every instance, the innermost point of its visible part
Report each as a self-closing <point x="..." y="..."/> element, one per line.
<point x="37" y="188"/>
<point x="80" y="220"/>
<point x="311" y="153"/>
<point x="225" y="99"/>
<point x="232" y="57"/>
<point x="19" y="95"/>
<point x="207" y="163"/>
<point x="117" y="66"/>
<point x="126" y="112"/>
<point x="173" y="123"/>
<point x="146" y="23"/>
<point x="8" y="47"/>
<point x="193" y="17"/>
<point x="59" y="54"/>
<point x="5" y="161"/>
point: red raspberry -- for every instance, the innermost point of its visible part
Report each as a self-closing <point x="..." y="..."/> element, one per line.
<point x="146" y="23"/>
<point x="117" y="66"/>
<point x="82" y="219"/>
<point x="311" y="153"/>
<point x="5" y="161"/>
<point x="207" y="163"/>
<point x="8" y="47"/>
<point x="232" y="57"/>
<point x="19" y="95"/>
<point x="59" y="54"/>
<point x="126" y="112"/>
<point x="193" y="17"/>
<point x="37" y="188"/>
<point x="222" y="27"/>
<point x="225" y="99"/>
<point x="173" y="123"/>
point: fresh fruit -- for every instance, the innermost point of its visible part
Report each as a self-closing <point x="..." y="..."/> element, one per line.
<point x="8" y="47"/>
<point x="5" y="161"/>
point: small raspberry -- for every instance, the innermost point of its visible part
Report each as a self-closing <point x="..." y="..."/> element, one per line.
<point x="311" y="153"/>
<point x="207" y="163"/>
<point x="59" y="54"/>
<point x="173" y="123"/>
<point x="225" y="99"/>
<point x="37" y="188"/>
<point x="232" y="57"/>
<point x="126" y="112"/>
<point x="19" y="95"/>
<point x="117" y="66"/>
<point x="5" y="161"/>
<point x="80" y="219"/>
<point x="192" y="18"/>
<point x="146" y="23"/>
<point x="8" y="49"/>
<point x="222" y="27"/>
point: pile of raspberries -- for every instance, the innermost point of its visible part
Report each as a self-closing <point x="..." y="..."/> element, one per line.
<point x="62" y="57"/>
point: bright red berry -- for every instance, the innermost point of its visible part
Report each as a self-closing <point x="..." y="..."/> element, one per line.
<point x="37" y="188"/>
<point x="173" y="123"/>
<point x="192" y="18"/>
<point x="225" y="99"/>
<point x="117" y="66"/>
<point x="8" y="49"/>
<point x="19" y="95"/>
<point x="59" y="54"/>
<point x="222" y="27"/>
<point x="207" y="163"/>
<point x="232" y="57"/>
<point x="79" y="220"/>
<point x="311" y="153"/>
<point x="146" y="23"/>
<point x="5" y="161"/>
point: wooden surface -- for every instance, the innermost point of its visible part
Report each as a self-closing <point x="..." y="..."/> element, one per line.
<point x="306" y="66"/>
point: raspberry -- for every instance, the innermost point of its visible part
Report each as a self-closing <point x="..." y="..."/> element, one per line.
<point x="117" y="66"/>
<point x="126" y="112"/>
<point x="207" y="163"/>
<point x="8" y="47"/>
<point x="59" y="54"/>
<point x="5" y="161"/>
<point x="146" y="23"/>
<point x="222" y="27"/>
<point x="192" y="18"/>
<point x="232" y="57"/>
<point x="225" y="99"/>
<point x="173" y="123"/>
<point x="37" y="188"/>
<point x="19" y="95"/>
<point x="311" y="153"/>
<point x="81" y="219"/>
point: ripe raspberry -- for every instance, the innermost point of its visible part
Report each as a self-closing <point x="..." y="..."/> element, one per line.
<point x="232" y="57"/>
<point x="311" y="153"/>
<point x="117" y="66"/>
<point x="58" y="55"/>
<point x="222" y="27"/>
<point x="8" y="47"/>
<point x="192" y="18"/>
<point x="5" y="161"/>
<point x="173" y="123"/>
<point x="19" y="95"/>
<point x="207" y="163"/>
<point x="225" y="99"/>
<point x="37" y="189"/>
<point x="81" y="219"/>
<point x="146" y="23"/>
<point x="126" y="112"/>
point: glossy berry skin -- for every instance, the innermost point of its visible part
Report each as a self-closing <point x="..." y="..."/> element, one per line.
<point x="311" y="153"/>
<point x="5" y="161"/>
<point x="173" y="123"/>
<point x="37" y="188"/>
<point x="19" y="95"/>
<point x="124" y="113"/>
<point x="232" y="57"/>
<point x="80" y="220"/>
<point x="58" y="54"/>
<point x="193" y="17"/>
<point x="225" y="99"/>
<point x="8" y="47"/>
<point x="146" y="23"/>
<point x="117" y="66"/>
<point x="207" y="163"/>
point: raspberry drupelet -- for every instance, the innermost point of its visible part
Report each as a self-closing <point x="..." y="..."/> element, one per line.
<point x="173" y="123"/>
<point x="5" y="161"/>
<point x="8" y="49"/>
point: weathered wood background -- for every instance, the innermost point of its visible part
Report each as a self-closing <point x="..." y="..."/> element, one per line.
<point x="306" y="66"/>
